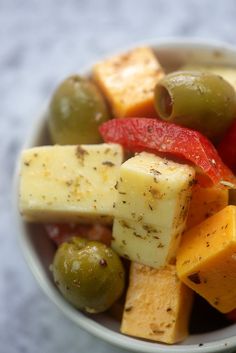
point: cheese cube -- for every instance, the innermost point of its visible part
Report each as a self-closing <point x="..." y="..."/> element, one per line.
<point x="205" y="202"/>
<point x="128" y="82"/>
<point x="157" y="305"/>
<point x="69" y="183"/>
<point x="206" y="260"/>
<point x="151" y="208"/>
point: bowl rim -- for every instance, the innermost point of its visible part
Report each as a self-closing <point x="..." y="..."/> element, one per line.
<point x="84" y="322"/>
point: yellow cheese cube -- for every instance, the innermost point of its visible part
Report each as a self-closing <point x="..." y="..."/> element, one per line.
<point x="128" y="81"/>
<point x="157" y="305"/>
<point x="69" y="183"/>
<point x="151" y="208"/>
<point x="206" y="259"/>
<point x="204" y="203"/>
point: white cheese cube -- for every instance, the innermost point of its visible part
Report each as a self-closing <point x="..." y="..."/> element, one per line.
<point x="69" y="183"/>
<point x="151" y="208"/>
<point x="144" y="243"/>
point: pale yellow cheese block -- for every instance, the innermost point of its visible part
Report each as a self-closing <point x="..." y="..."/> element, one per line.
<point x="157" y="305"/>
<point x="151" y="208"/>
<point x="69" y="183"/>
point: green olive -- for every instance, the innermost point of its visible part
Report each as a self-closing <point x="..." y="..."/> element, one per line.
<point x="199" y="100"/>
<point x="89" y="274"/>
<point x="76" y="110"/>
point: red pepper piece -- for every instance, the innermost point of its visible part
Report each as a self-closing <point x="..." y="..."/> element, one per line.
<point x="227" y="148"/>
<point x="152" y="135"/>
<point x="60" y="233"/>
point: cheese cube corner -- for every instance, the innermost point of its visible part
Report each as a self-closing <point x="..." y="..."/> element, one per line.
<point x="151" y="208"/>
<point x="157" y="305"/>
<point x="206" y="259"/>
<point x="128" y="82"/>
<point x="205" y="202"/>
<point x="69" y="183"/>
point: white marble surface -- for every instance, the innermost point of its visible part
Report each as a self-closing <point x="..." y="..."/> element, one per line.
<point x="40" y="43"/>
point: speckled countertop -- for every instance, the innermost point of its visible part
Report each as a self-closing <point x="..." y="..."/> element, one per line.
<point x="41" y="42"/>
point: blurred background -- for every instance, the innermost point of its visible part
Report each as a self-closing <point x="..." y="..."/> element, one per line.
<point x="41" y="42"/>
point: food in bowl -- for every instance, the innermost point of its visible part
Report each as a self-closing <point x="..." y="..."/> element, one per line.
<point x="158" y="189"/>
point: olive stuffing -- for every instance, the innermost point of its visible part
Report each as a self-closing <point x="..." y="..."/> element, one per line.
<point x="76" y="110"/>
<point x="199" y="100"/>
<point x="89" y="274"/>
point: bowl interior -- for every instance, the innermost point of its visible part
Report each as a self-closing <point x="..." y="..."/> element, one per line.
<point x="39" y="250"/>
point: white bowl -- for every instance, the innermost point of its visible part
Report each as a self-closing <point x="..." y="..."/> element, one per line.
<point x="39" y="250"/>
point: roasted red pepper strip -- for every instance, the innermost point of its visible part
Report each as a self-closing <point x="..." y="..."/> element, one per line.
<point x="152" y="135"/>
<point x="227" y="148"/>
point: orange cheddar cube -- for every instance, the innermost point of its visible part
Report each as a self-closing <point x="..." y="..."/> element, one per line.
<point x="206" y="259"/>
<point x="128" y="81"/>
<point x="157" y="305"/>
<point x="204" y="203"/>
